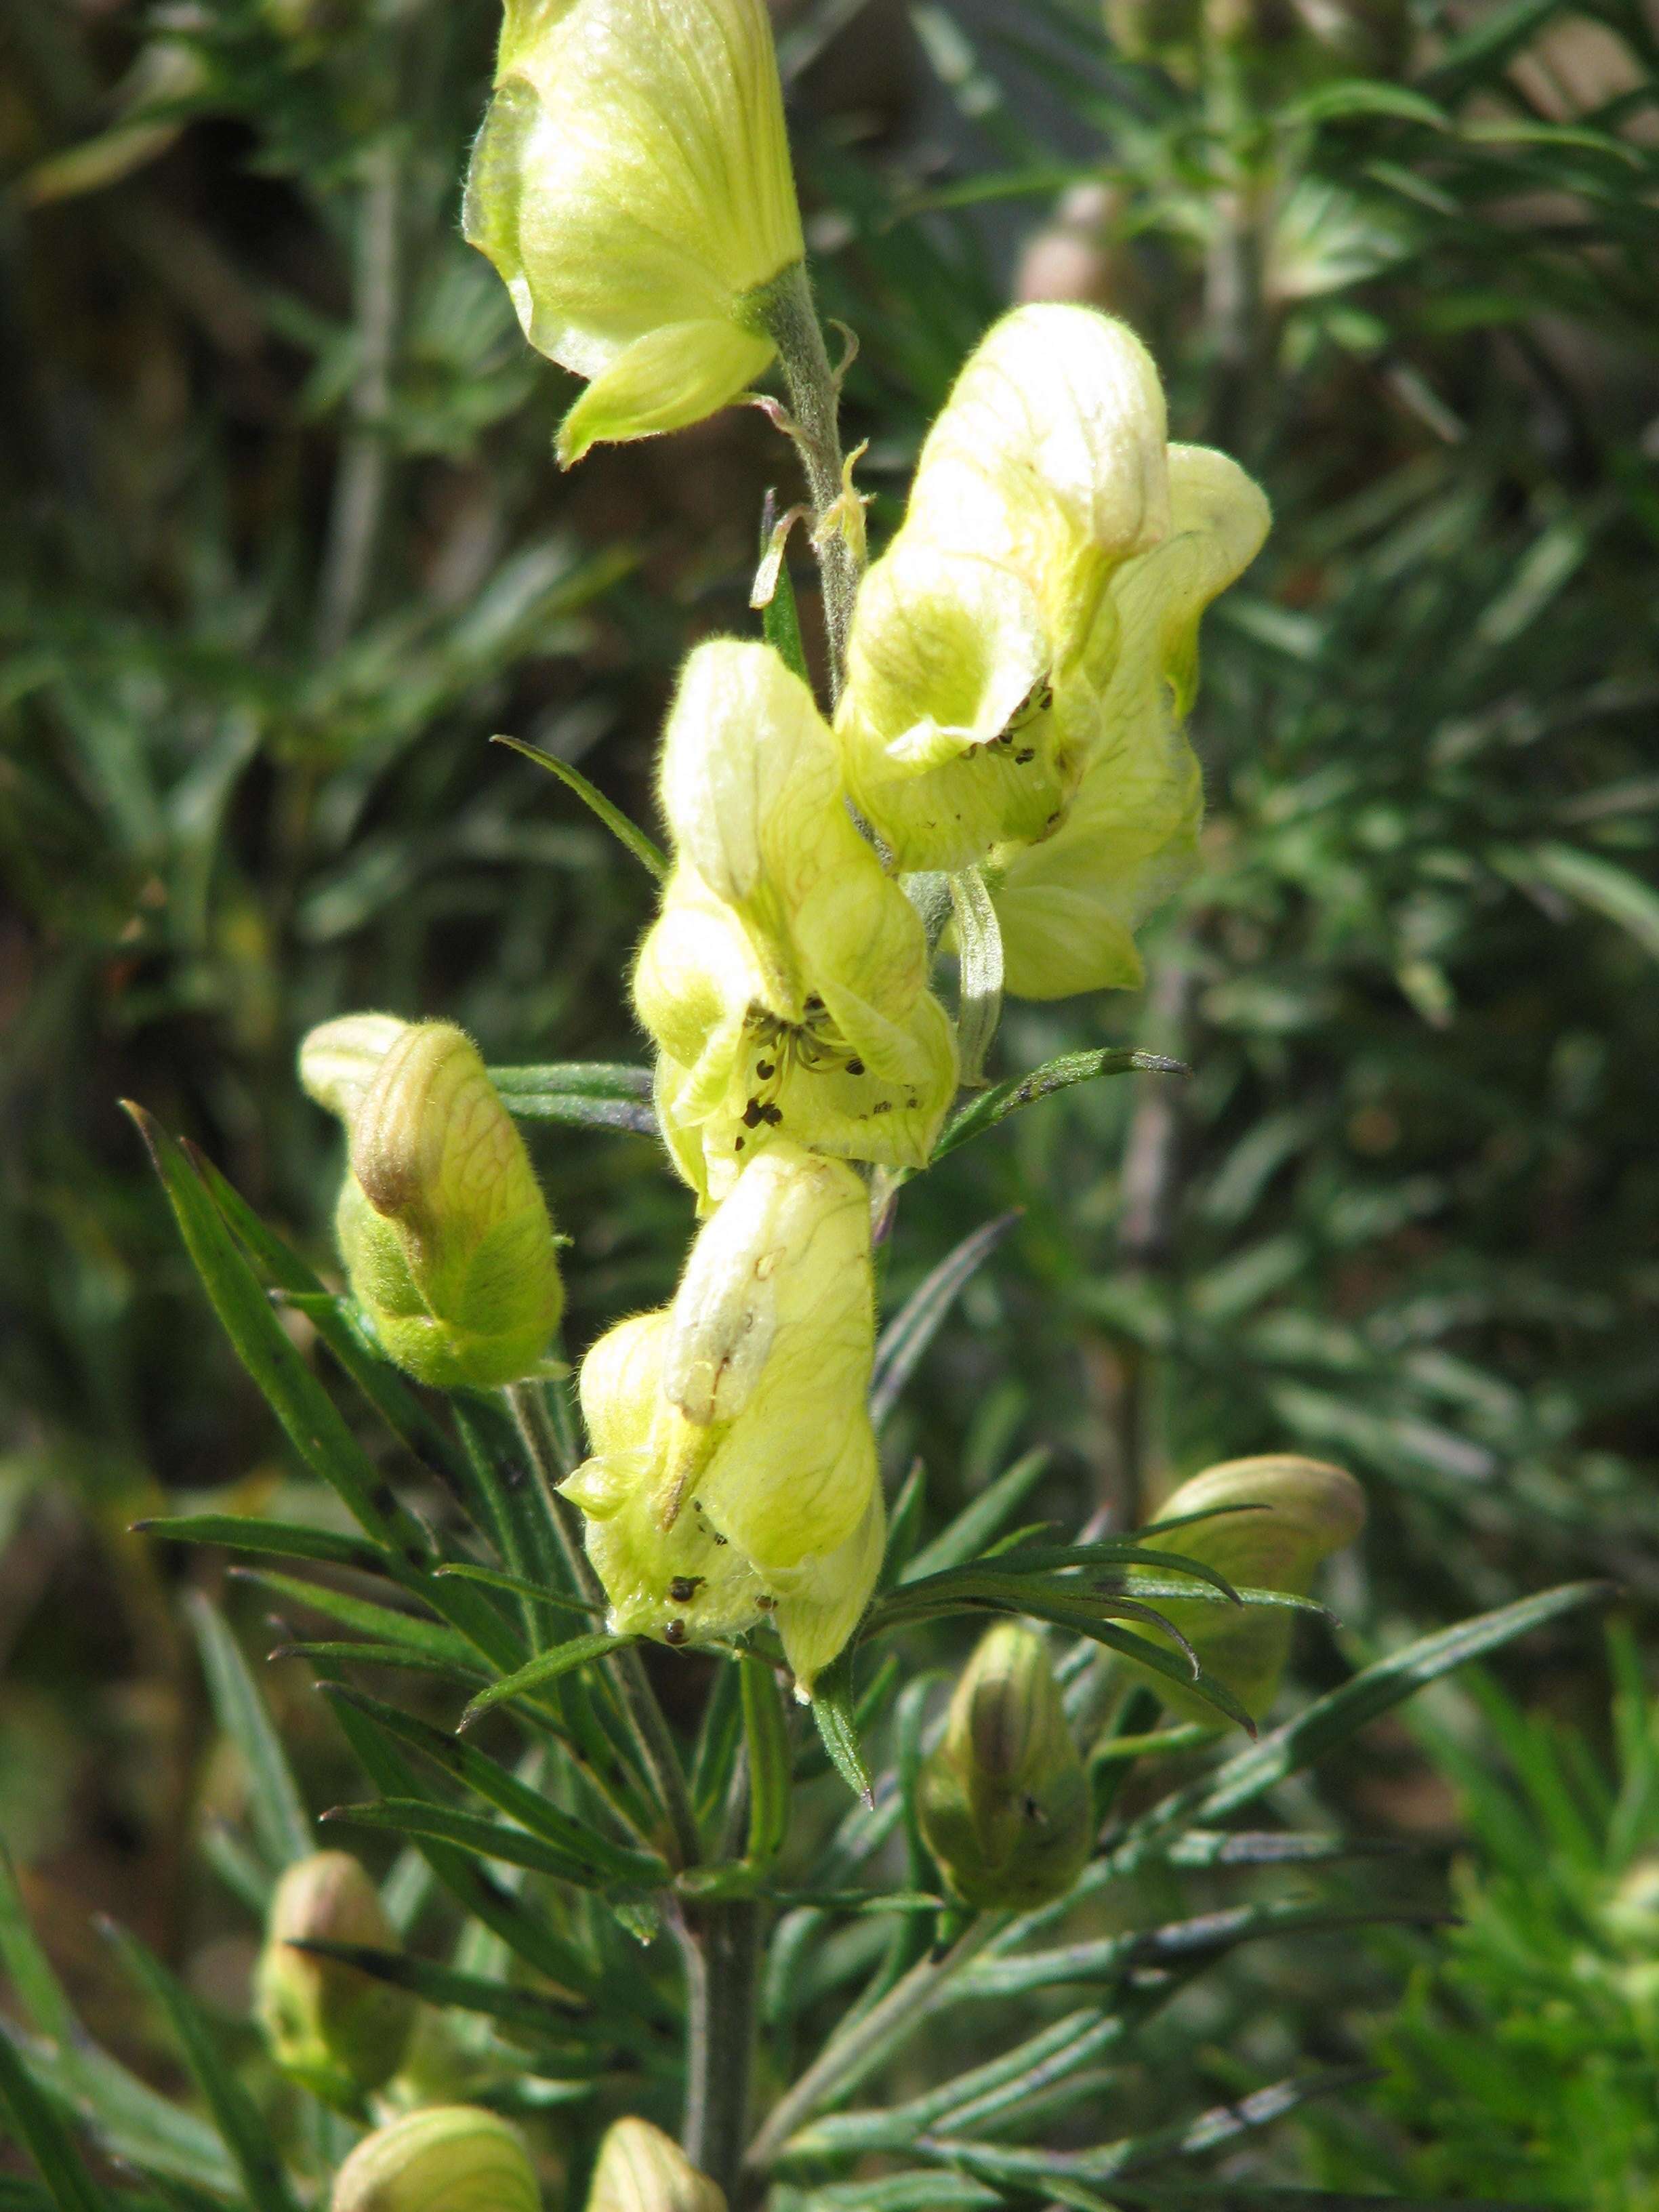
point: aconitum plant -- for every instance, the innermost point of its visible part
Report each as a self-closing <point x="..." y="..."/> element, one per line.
<point x="557" y="1994"/>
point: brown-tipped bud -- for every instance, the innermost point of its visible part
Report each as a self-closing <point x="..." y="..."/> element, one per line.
<point x="335" y="2028"/>
<point x="450" y="2158"/>
<point x="1308" y="1510"/>
<point x="1004" y="1802"/>
<point x="641" y="2169"/>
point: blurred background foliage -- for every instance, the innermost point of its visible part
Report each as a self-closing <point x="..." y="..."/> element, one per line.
<point x="285" y="545"/>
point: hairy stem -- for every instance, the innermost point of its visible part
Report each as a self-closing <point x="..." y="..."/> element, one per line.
<point x="640" y="1710"/>
<point x="720" y="1945"/>
<point x="792" y="322"/>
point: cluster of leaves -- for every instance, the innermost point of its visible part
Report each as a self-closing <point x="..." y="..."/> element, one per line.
<point x="563" y="1858"/>
<point x="1522" y="2058"/>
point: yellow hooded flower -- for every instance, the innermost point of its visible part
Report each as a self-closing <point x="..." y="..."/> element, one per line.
<point x="446" y="2157"/>
<point x="785" y="982"/>
<point x="1310" y="1510"/>
<point x="632" y="185"/>
<point x="331" y="2025"/>
<point x="733" y="1473"/>
<point x="981" y="637"/>
<point x="1069" y="905"/>
<point x="639" y="2169"/>
<point x="441" y="1223"/>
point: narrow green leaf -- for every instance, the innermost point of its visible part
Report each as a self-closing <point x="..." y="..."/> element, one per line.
<point x="277" y="1540"/>
<point x="276" y="1808"/>
<point x="649" y="856"/>
<point x="904" y="1525"/>
<point x="245" y="2133"/>
<point x="719" y="1738"/>
<point x="38" y="2129"/>
<point x="525" y="1934"/>
<point x="766" y="1735"/>
<point x="980" y="1520"/>
<point x="313" y="1424"/>
<point x="606" y="1861"/>
<point x="995" y="1105"/>
<point x="1350" y="96"/>
<point x="914" y="1327"/>
<point x="385" y="1624"/>
<point x="547" y="1669"/>
<point x="781" y="622"/>
<point x="1601" y="884"/>
<point x="129" y="2117"/>
<point x="549" y="2014"/>
<point x="484" y="1838"/>
<point x="834" y="1716"/>
<point x="365" y="1654"/>
<point x="518" y="1586"/>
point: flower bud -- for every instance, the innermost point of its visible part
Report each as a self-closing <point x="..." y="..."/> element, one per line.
<point x="632" y="185"/>
<point x="785" y="982"/>
<point x="1069" y="905"/>
<point x="734" y="1471"/>
<point x="333" y="2026"/>
<point x="639" y="2169"/>
<point x="1310" y="1510"/>
<point x="441" y="1223"/>
<point x="447" y="2158"/>
<point x="1004" y="1801"/>
<point x="967" y="714"/>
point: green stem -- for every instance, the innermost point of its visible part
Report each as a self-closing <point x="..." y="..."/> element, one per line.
<point x="720" y="1945"/>
<point x="640" y="1710"/>
<point x="792" y="321"/>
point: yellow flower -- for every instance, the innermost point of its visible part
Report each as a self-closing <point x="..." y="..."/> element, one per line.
<point x="733" y="1473"/>
<point x="1069" y="905"/>
<point x="632" y="185"/>
<point x="441" y="1223"/>
<point x="1311" y="1510"/>
<point x="978" y="645"/>
<point x="785" y="982"/>
<point x="1004" y="1801"/>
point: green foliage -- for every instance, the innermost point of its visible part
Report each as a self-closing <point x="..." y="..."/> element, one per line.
<point x="1522" y="2056"/>
<point x="287" y="549"/>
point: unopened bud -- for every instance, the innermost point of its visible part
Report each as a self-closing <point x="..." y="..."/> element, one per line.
<point x="1004" y="1801"/>
<point x="441" y="1223"/>
<point x="639" y="2169"/>
<point x="337" y="2029"/>
<point x="632" y="185"/>
<point x="449" y="2158"/>
<point x="1308" y="1511"/>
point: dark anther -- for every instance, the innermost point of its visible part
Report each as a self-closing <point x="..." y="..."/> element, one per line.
<point x="856" y="1068"/>
<point x="766" y="1069"/>
<point x="741" y="1142"/>
<point x="675" y="1632"/>
<point x="766" y="1601"/>
<point x="881" y="1106"/>
<point x="684" y="1588"/>
<point x="1026" y="753"/>
<point x="753" y="1113"/>
<point x="772" y="1115"/>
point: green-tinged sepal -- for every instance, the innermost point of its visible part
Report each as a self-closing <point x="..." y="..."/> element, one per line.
<point x="1003" y="1801"/>
<point x="785" y="982"/>
<point x="639" y="2169"/>
<point x="449" y="2158"/>
<point x="976" y="649"/>
<point x="1069" y="905"/>
<point x="632" y="185"/>
<point x="441" y="1224"/>
<point x="332" y="2026"/>
<point x="1308" y="1511"/>
<point x="733" y="1473"/>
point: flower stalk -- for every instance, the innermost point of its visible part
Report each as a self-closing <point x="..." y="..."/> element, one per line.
<point x="792" y="323"/>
